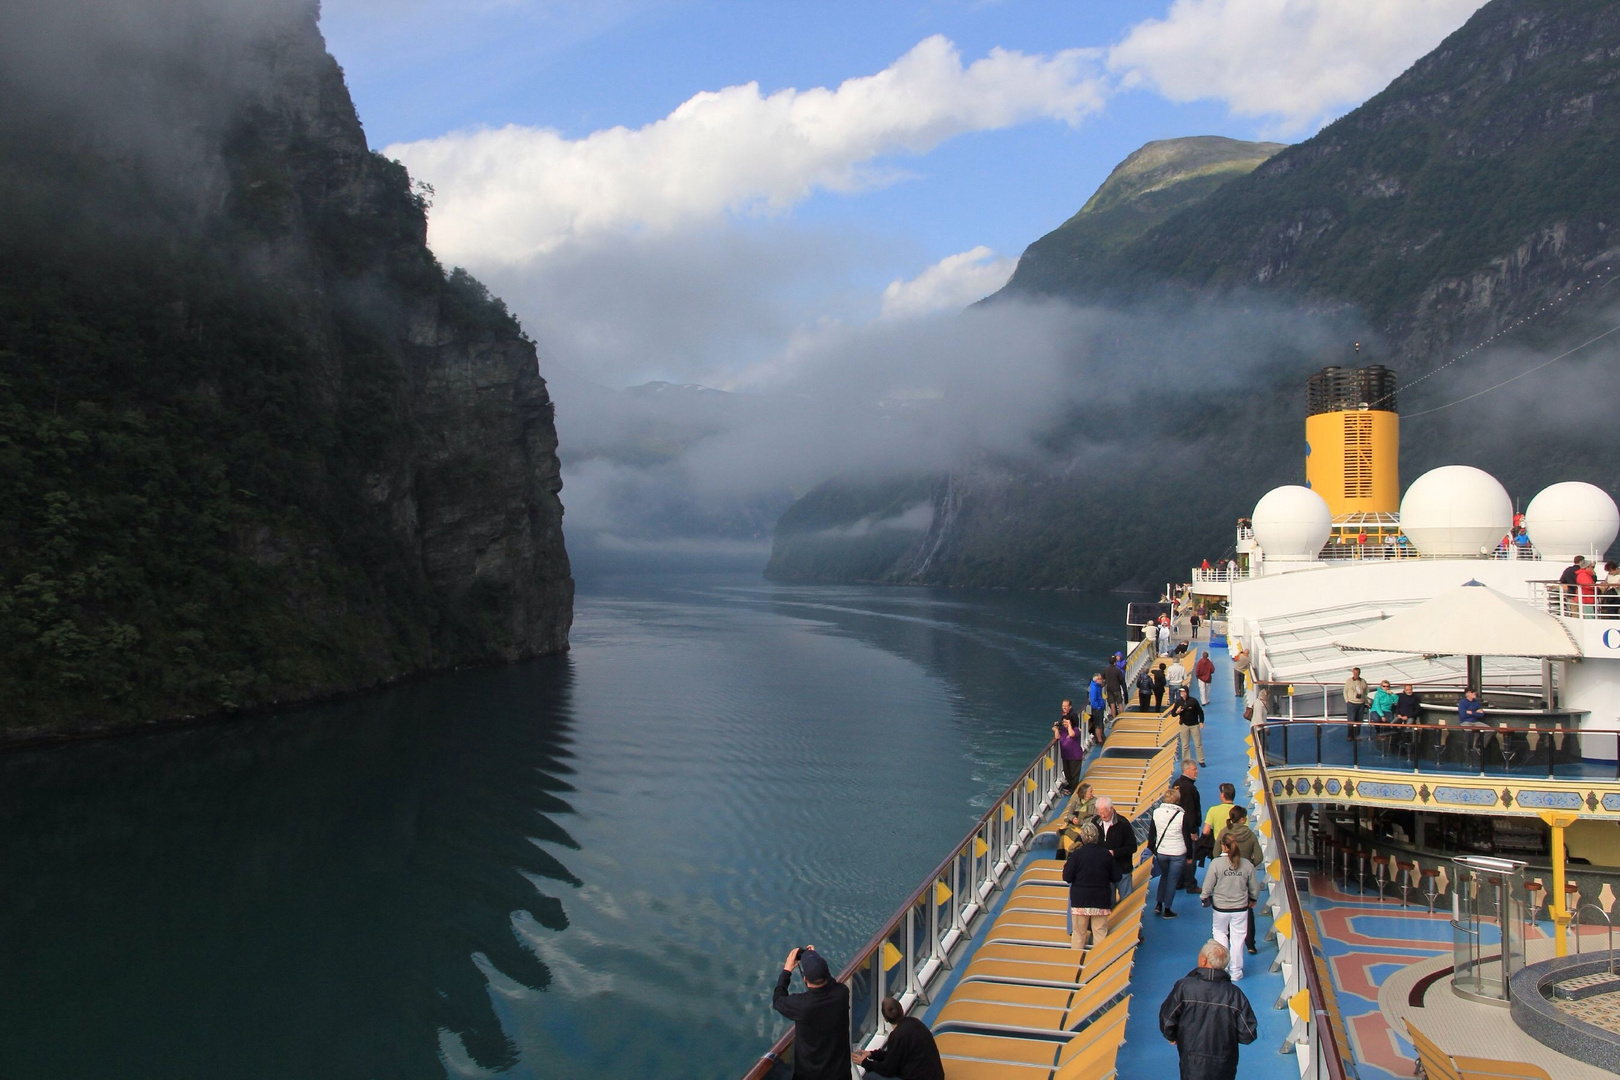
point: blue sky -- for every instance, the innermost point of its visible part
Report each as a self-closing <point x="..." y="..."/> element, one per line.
<point x="578" y="73"/>
<point x="708" y="238"/>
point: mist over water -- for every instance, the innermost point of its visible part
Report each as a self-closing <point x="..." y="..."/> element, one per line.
<point x="580" y="866"/>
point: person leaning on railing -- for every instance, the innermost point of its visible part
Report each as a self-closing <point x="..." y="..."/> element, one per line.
<point x="1071" y="749"/>
<point x="1569" y="582"/>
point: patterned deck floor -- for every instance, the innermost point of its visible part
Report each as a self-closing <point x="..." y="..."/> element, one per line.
<point x="1378" y="952"/>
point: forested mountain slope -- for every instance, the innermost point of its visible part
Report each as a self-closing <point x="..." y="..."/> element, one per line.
<point x="256" y="446"/>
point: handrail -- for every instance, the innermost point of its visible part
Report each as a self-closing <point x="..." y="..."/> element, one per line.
<point x="1418" y="687"/>
<point x="1607" y="919"/>
<point x="863" y="956"/>
<point x="1576" y="601"/>
<point x="1556" y="745"/>
<point x="1319" y="1009"/>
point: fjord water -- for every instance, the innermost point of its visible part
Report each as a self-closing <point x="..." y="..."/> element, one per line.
<point x="587" y="865"/>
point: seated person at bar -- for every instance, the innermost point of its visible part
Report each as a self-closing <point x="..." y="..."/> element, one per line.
<point x="1408" y="711"/>
<point x="1471" y="714"/>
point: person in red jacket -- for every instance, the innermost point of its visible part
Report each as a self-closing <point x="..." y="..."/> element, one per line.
<point x="1204" y="671"/>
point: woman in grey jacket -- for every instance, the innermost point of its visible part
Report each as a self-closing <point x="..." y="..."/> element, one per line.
<point x="1230" y="887"/>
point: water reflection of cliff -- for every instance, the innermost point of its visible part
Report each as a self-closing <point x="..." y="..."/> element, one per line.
<point x="333" y="893"/>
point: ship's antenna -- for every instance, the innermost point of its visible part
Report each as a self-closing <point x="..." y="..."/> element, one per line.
<point x="1508" y="329"/>
<point x="1520" y="375"/>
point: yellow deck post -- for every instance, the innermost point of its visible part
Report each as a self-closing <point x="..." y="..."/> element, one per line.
<point x="1559" y="822"/>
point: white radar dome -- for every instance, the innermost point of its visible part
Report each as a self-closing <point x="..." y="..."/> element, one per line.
<point x="1291" y="523"/>
<point x="1456" y="510"/>
<point x="1571" y="519"/>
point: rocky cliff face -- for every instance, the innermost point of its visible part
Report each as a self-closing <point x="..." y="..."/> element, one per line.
<point x="258" y="446"/>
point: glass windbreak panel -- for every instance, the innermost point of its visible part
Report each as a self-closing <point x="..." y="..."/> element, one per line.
<point x="863" y="1005"/>
<point x="893" y="962"/>
<point x="921" y="947"/>
<point x="1464" y="955"/>
<point x="1301" y="739"/>
<point x="1275" y="742"/>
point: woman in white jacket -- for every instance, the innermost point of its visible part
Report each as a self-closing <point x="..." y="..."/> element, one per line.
<point x="1167" y="839"/>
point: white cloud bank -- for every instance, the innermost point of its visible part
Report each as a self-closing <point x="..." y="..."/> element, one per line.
<point x="1295" y="61"/>
<point x="512" y="193"/>
<point x="950" y="284"/>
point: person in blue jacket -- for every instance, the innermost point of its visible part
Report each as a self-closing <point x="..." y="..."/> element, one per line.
<point x="1098" y="704"/>
<point x="1471" y="715"/>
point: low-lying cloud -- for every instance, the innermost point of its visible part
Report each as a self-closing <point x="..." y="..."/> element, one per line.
<point x="1042" y="385"/>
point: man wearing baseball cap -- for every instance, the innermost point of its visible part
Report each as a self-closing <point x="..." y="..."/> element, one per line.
<point x="820" y="1017"/>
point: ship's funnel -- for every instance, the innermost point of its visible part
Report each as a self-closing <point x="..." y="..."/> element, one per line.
<point x="1352" y="440"/>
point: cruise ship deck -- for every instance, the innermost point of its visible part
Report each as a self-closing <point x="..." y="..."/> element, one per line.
<point x="1347" y="958"/>
<point x="1010" y="997"/>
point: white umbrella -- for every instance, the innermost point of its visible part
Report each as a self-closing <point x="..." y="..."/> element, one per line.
<point x="1471" y="620"/>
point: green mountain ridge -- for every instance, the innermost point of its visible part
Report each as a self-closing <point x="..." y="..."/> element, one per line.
<point x="1156" y="182"/>
<point x="1477" y="191"/>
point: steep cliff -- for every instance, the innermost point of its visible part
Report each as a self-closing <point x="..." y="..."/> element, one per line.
<point x="1478" y="191"/>
<point x="255" y="445"/>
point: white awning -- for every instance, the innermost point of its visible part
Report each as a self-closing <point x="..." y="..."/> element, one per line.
<point x="1470" y="620"/>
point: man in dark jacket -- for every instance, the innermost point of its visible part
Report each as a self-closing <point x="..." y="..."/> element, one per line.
<point x="1120" y="840"/>
<point x="1192" y="816"/>
<point x="820" y="1017"/>
<point x="1114" y="688"/>
<point x="909" y="1053"/>
<point x="1206" y="1018"/>
<point x="1191" y="715"/>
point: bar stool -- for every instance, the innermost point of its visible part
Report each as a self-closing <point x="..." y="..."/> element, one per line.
<point x="1337" y="848"/>
<point x="1408" y="881"/>
<point x="1362" y="855"/>
<point x="1532" y="898"/>
<point x="1431" y="885"/>
<point x="1510" y="750"/>
<point x="1380" y="872"/>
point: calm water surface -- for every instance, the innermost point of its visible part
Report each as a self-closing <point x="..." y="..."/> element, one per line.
<point x="582" y="866"/>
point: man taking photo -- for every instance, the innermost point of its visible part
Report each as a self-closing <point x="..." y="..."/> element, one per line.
<point x="820" y="1017"/>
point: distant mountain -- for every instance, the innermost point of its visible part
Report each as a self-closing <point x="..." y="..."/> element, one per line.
<point x="1154" y="184"/>
<point x="1479" y="190"/>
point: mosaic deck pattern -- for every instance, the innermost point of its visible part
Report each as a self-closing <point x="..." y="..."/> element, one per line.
<point x="1600" y="1009"/>
<point x="1367" y="941"/>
